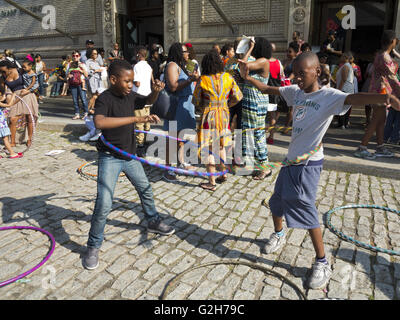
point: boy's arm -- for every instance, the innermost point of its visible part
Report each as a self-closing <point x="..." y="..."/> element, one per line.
<point x="264" y="88"/>
<point x="387" y="100"/>
<point x="106" y="123"/>
<point x="157" y="87"/>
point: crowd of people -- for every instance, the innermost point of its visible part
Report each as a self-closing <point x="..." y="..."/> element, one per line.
<point x="311" y="89"/>
<point x="232" y="88"/>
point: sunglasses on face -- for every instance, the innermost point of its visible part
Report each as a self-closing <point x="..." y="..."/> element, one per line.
<point x="76" y="55"/>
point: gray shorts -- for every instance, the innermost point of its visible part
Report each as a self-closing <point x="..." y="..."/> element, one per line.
<point x="295" y="194"/>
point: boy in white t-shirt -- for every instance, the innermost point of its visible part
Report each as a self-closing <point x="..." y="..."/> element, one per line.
<point x="296" y="188"/>
<point x="142" y="85"/>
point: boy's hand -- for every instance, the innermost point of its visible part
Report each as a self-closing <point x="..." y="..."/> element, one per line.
<point x="244" y="69"/>
<point x="393" y="102"/>
<point x="158" y="86"/>
<point x="152" y="119"/>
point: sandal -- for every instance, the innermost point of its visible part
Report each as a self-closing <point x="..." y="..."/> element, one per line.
<point x="29" y="143"/>
<point x="208" y="186"/>
<point x="221" y="179"/>
<point x="261" y="175"/>
<point x="17" y="156"/>
<point x="265" y="203"/>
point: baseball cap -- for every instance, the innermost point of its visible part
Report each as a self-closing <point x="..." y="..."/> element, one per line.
<point x="89" y="42"/>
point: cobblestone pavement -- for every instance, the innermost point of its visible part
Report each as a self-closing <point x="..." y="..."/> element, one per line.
<point x="229" y="224"/>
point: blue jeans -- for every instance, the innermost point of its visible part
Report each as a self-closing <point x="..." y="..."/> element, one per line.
<point x="108" y="173"/>
<point x="392" y="126"/>
<point x="57" y="88"/>
<point x="41" y="84"/>
<point x="76" y="93"/>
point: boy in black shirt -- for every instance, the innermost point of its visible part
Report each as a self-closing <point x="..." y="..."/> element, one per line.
<point x="115" y="117"/>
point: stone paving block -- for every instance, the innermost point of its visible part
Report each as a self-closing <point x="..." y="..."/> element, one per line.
<point x="382" y="274"/>
<point x="195" y="277"/>
<point x="337" y="290"/>
<point x="384" y="291"/>
<point x="203" y="291"/>
<point x="107" y="294"/>
<point x="171" y="257"/>
<point x="121" y="264"/>
<point x="185" y="263"/>
<point x="228" y="288"/>
<point x="270" y="293"/>
<point x="125" y="279"/>
<point x="102" y="280"/>
<point x="296" y="237"/>
<point x="157" y="288"/>
<point x="180" y="293"/>
<point x="243" y="295"/>
<point x="135" y="289"/>
<point x="346" y="251"/>
<point x="289" y="254"/>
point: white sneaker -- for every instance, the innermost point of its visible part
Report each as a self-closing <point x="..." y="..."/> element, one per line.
<point x="274" y="243"/>
<point x="95" y="137"/>
<point x="384" y="152"/>
<point x="321" y="275"/>
<point x="86" y="137"/>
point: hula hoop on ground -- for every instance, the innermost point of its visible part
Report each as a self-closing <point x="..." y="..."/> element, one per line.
<point x="164" y="167"/>
<point x="352" y="240"/>
<point x="23" y="275"/>
<point x="88" y="175"/>
<point x="236" y="263"/>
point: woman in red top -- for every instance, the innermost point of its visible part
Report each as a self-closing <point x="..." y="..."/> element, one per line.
<point x="276" y="75"/>
<point x="383" y="81"/>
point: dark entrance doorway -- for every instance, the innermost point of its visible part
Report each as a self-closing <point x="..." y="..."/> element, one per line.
<point x="372" y="18"/>
<point x="143" y="26"/>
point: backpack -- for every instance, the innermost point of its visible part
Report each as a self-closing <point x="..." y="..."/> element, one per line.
<point x="76" y="79"/>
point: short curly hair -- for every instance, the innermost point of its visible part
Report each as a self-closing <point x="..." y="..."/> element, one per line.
<point x="212" y="63"/>
<point x="117" y="66"/>
<point x="262" y="48"/>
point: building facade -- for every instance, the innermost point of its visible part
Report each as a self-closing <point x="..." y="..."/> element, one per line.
<point x="138" y="22"/>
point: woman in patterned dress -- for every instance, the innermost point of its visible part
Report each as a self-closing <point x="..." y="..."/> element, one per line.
<point x="214" y="94"/>
<point x="383" y="80"/>
<point x="15" y="84"/>
<point x="255" y="108"/>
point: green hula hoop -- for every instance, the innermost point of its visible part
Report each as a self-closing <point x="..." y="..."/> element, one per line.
<point x="352" y="240"/>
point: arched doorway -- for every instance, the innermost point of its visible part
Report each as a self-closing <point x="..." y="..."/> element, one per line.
<point x="142" y="26"/>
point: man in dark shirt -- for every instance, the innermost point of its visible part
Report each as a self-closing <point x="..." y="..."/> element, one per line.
<point x="333" y="47"/>
<point x="115" y="118"/>
<point x="154" y="61"/>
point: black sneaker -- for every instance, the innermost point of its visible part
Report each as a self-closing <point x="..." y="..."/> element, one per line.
<point x="141" y="151"/>
<point x="157" y="226"/>
<point x="91" y="259"/>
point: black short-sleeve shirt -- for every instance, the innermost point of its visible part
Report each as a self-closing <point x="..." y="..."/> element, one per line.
<point x="336" y="45"/>
<point x="112" y="106"/>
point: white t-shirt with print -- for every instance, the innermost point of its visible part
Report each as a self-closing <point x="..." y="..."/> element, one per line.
<point x="143" y="73"/>
<point x="312" y="116"/>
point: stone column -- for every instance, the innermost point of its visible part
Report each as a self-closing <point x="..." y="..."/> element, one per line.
<point x="109" y="30"/>
<point x="299" y="18"/>
<point x="171" y="22"/>
<point x="397" y="17"/>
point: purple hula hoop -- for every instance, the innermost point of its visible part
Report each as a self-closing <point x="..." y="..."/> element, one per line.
<point x="161" y="166"/>
<point x="53" y="241"/>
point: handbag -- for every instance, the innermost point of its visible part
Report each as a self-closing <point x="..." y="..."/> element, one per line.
<point x="165" y="106"/>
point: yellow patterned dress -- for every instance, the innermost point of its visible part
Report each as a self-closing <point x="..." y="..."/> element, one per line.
<point x="213" y="96"/>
